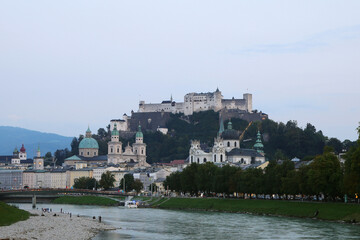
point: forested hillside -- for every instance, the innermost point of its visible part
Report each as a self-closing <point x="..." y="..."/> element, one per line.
<point x="281" y="141"/>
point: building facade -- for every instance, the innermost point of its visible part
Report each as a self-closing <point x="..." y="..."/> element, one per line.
<point x="134" y="153"/>
<point x="197" y="102"/>
<point x="226" y="149"/>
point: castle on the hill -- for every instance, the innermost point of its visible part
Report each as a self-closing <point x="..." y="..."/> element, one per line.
<point x="197" y="102"/>
<point x="153" y="116"/>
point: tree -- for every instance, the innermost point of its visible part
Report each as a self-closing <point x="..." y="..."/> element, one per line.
<point x="325" y="176"/>
<point x="137" y="185"/>
<point x="85" y="183"/>
<point x="188" y="177"/>
<point x="75" y="146"/>
<point x="48" y="158"/>
<point x="173" y="182"/>
<point x="129" y="180"/>
<point x="61" y="155"/>
<point x="352" y="168"/>
<point x="107" y="180"/>
<point x="205" y="177"/>
<point x="335" y="144"/>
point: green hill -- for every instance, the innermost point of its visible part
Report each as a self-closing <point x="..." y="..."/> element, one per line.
<point x="281" y="141"/>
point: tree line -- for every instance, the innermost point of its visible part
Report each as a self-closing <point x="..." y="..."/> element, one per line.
<point x="324" y="175"/>
<point x="107" y="181"/>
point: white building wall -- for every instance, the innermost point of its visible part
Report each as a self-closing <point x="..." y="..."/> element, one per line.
<point x="120" y="125"/>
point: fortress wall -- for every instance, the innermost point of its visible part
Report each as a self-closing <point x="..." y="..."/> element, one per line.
<point x="234" y="104"/>
<point x="152" y="107"/>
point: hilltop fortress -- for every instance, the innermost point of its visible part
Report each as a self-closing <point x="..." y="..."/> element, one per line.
<point x="154" y="116"/>
<point x="197" y="102"/>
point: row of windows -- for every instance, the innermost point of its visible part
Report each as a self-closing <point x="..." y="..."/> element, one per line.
<point x="118" y="151"/>
<point x="205" y="160"/>
<point x="228" y="144"/>
<point x="88" y="153"/>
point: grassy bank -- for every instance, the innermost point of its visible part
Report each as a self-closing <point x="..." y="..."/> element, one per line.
<point x="86" y="200"/>
<point x="10" y="214"/>
<point x="326" y="211"/>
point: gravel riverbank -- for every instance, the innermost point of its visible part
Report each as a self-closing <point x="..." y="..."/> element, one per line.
<point x="61" y="226"/>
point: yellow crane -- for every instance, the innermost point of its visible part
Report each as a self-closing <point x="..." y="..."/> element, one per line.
<point x="243" y="133"/>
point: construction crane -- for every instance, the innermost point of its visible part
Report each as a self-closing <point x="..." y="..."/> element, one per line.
<point x="243" y="133"/>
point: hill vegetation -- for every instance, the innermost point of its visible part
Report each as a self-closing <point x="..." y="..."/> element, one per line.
<point x="281" y="141"/>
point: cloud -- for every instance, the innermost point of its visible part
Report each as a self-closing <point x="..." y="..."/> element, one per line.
<point x="316" y="41"/>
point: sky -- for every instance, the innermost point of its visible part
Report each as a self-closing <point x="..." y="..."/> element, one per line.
<point x="65" y="65"/>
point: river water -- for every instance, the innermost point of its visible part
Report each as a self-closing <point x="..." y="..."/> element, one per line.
<point x="146" y="223"/>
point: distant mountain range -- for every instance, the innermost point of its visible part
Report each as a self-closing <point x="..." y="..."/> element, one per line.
<point x="11" y="137"/>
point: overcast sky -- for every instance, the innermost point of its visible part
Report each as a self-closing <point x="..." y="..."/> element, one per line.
<point x="67" y="64"/>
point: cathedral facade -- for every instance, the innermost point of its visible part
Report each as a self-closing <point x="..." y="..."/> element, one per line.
<point x="134" y="153"/>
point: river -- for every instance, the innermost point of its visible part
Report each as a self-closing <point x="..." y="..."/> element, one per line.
<point x="149" y="223"/>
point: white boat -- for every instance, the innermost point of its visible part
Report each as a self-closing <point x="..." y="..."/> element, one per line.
<point x="130" y="204"/>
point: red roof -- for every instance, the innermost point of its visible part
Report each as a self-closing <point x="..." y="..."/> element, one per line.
<point x="177" y="162"/>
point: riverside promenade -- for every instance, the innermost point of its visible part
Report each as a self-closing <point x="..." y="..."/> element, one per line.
<point x="48" y="226"/>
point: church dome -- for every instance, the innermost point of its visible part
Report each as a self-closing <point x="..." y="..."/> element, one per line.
<point x="230" y="133"/>
<point x="139" y="133"/>
<point x="89" y="143"/>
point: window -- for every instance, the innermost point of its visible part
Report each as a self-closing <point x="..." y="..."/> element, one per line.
<point x="118" y="150"/>
<point x="81" y="154"/>
<point x="88" y="153"/>
<point x="94" y="153"/>
<point x="142" y="151"/>
<point x="204" y="159"/>
<point x="252" y="160"/>
<point x="214" y="158"/>
<point x="234" y="144"/>
<point x="192" y="159"/>
<point x="111" y="150"/>
<point x="221" y="158"/>
<point x="198" y="161"/>
<point x="228" y="144"/>
<point x="242" y="160"/>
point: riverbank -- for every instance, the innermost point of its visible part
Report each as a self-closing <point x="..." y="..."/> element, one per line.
<point x="48" y="226"/>
<point x="318" y="210"/>
<point x="10" y="214"/>
<point x="86" y="200"/>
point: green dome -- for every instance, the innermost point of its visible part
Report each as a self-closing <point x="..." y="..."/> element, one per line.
<point x="139" y="134"/>
<point x="89" y="143"/>
<point x="115" y="132"/>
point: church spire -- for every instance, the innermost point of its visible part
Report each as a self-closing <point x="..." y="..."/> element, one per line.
<point x="258" y="145"/>
<point x="221" y="129"/>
